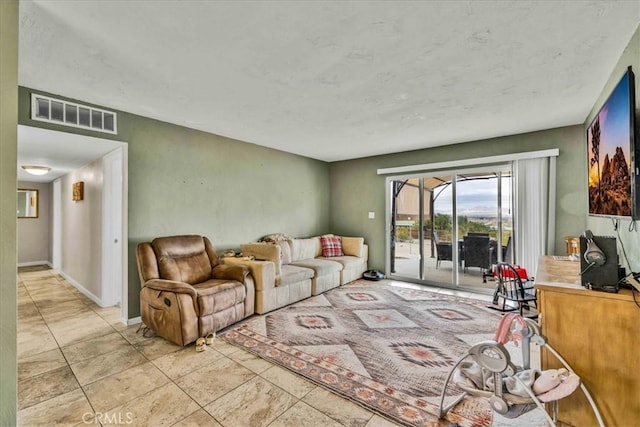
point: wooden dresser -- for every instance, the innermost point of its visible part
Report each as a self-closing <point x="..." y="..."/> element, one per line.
<point x="598" y="334"/>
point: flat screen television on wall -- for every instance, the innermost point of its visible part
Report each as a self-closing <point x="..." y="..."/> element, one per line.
<point x="612" y="155"/>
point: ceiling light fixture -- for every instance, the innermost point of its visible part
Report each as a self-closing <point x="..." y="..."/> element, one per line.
<point x="37" y="170"/>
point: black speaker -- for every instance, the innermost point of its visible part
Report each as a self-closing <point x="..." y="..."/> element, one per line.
<point x="595" y="275"/>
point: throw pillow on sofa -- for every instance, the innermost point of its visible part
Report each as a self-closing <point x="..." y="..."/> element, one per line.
<point x="353" y="246"/>
<point x="331" y="246"/>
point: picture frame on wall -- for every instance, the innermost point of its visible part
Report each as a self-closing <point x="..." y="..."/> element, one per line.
<point x="612" y="154"/>
<point x="78" y="191"/>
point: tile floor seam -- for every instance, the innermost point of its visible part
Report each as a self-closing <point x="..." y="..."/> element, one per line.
<point x="297" y="375"/>
<point x="202" y="407"/>
<point x="68" y="364"/>
<point x="45" y="322"/>
<point x="188" y="415"/>
<point x="264" y="379"/>
<point x="348" y="400"/>
<point x="52" y="397"/>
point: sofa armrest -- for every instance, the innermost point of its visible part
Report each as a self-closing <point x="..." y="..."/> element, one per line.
<point x="230" y="272"/>
<point x="263" y="272"/>
<point x="265" y="252"/>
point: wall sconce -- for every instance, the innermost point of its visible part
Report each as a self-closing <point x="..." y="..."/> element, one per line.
<point x="36" y="170"/>
<point x="78" y="191"/>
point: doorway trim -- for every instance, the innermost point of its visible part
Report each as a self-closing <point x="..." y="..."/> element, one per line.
<point x="114" y="230"/>
<point x="56" y="234"/>
<point x="57" y="212"/>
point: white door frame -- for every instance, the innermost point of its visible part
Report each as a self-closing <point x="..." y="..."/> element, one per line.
<point x="56" y="234"/>
<point x="114" y="231"/>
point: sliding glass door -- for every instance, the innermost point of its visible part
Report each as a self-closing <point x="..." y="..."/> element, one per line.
<point x="407" y="225"/>
<point x="485" y="223"/>
<point x="450" y="228"/>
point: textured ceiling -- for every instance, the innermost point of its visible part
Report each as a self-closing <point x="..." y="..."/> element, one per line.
<point x="62" y="152"/>
<point x="332" y="80"/>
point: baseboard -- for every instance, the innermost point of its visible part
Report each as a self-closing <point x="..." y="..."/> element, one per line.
<point x="133" y="321"/>
<point x="81" y="288"/>
<point x="33" y="263"/>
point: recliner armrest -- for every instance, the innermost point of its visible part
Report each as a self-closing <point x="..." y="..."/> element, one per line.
<point x="171" y="286"/>
<point x="230" y="272"/>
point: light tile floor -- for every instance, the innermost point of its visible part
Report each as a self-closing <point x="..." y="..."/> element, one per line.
<point x="79" y="365"/>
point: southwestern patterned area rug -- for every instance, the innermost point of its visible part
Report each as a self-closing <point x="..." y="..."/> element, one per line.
<point x="386" y="347"/>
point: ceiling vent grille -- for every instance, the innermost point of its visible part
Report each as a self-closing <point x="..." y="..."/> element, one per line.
<point x="52" y="110"/>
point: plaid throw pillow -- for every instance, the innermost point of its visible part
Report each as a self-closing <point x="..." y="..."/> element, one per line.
<point x="331" y="246"/>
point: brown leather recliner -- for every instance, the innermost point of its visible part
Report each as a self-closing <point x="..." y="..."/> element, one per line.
<point x="186" y="293"/>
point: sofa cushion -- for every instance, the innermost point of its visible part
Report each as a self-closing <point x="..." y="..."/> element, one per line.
<point x="217" y="295"/>
<point x="331" y="246"/>
<point x="321" y="266"/>
<point x="353" y="246"/>
<point x="304" y="248"/>
<point x="285" y="252"/>
<point x="346" y="261"/>
<point x="293" y="274"/>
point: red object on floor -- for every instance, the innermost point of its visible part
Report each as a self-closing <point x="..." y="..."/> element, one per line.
<point x="522" y="272"/>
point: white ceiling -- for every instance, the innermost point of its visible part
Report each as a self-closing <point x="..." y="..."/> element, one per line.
<point x="62" y="152"/>
<point x="332" y="80"/>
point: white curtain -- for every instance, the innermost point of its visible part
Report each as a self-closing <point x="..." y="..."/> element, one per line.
<point x="534" y="187"/>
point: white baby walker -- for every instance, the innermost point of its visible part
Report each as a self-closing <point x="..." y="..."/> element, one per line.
<point x="520" y="387"/>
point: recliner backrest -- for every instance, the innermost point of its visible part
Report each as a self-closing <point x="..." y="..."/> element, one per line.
<point x="147" y="262"/>
<point x="187" y="259"/>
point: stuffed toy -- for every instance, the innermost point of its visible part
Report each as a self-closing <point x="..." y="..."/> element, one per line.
<point x="548" y="380"/>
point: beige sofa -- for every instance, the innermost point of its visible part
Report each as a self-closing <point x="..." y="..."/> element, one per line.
<point x="290" y="270"/>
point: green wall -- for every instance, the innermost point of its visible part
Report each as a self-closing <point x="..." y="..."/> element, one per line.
<point x="356" y="188"/>
<point x="603" y="226"/>
<point x="186" y="181"/>
<point x="8" y="220"/>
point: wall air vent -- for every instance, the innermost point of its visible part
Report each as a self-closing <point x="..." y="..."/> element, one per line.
<point x="47" y="109"/>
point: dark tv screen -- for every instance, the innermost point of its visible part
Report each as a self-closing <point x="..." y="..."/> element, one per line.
<point x="611" y="156"/>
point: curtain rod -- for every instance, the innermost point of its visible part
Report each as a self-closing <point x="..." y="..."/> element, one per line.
<point x="554" y="152"/>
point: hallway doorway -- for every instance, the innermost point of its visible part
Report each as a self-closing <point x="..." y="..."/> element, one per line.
<point x="81" y="228"/>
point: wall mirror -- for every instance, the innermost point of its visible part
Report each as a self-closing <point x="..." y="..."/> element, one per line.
<point x="27" y="203"/>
